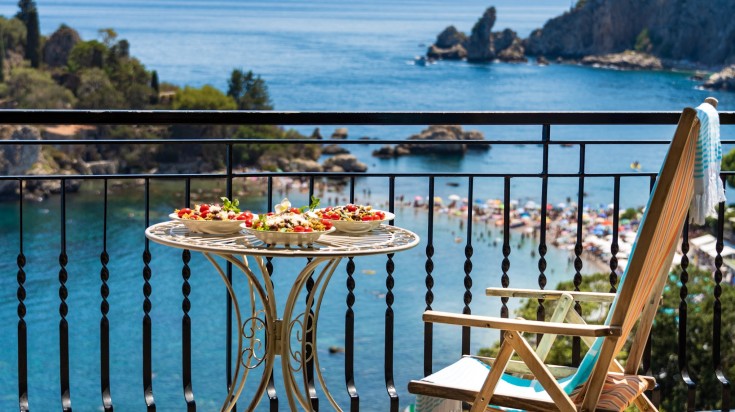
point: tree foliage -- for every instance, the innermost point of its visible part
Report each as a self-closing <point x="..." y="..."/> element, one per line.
<point x="156" y="88"/>
<point x="33" y="38"/>
<point x="13" y="32"/>
<point x="643" y="42"/>
<point x="205" y="98"/>
<point x="249" y="91"/>
<point x="2" y="59"/>
<point x="728" y="164"/>
<point x="35" y="89"/>
<point x="96" y="91"/>
<point x="87" y="54"/>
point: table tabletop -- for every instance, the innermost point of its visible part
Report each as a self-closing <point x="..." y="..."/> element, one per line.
<point x="382" y="240"/>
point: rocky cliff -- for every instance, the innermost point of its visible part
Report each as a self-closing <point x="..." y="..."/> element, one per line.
<point x="483" y="45"/>
<point x="700" y="32"/>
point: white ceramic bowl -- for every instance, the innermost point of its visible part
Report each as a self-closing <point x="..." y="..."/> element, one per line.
<point x="210" y="227"/>
<point x="285" y="238"/>
<point x="348" y="226"/>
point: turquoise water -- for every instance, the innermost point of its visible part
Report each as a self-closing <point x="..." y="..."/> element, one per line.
<point x="323" y="55"/>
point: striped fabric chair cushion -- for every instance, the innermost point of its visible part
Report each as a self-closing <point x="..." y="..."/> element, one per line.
<point x="618" y="392"/>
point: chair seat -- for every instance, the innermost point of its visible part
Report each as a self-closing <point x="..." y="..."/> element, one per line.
<point x="460" y="382"/>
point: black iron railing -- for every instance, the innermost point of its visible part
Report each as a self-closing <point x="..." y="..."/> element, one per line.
<point x="394" y="385"/>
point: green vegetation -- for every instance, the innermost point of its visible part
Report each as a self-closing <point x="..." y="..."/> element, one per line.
<point x="2" y="59"/>
<point x="728" y="165"/>
<point x="35" y="89"/>
<point x="156" y="88"/>
<point x="249" y="91"/>
<point x="204" y="98"/>
<point x="643" y="42"/>
<point x="630" y="214"/>
<point x="699" y="303"/>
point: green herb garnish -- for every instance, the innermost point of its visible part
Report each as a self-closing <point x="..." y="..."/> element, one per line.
<point x="230" y="206"/>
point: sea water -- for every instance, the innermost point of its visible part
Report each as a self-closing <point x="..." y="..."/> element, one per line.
<point x="313" y="55"/>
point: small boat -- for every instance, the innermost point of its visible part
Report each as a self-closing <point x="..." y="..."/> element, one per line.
<point x="636" y="166"/>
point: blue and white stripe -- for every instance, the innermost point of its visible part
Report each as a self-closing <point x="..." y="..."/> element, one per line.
<point x="708" y="188"/>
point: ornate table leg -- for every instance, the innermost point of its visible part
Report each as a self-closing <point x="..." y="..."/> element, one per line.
<point x="305" y="324"/>
<point x="248" y="357"/>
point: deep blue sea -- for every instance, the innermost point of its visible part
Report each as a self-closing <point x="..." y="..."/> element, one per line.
<point x="313" y="55"/>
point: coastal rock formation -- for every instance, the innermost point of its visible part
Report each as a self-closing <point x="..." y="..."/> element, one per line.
<point x="673" y="30"/>
<point x="436" y="132"/>
<point x="17" y="160"/>
<point x="723" y="80"/>
<point x="301" y="165"/>
<point x="57" y="48"/>
<point x="631" y="60"/>
<point x="340" y="133"/>
<point x="316" y="134"/>
<point x="480" y="45"/>
<point x="344" y="163"/>
<point x="483" y="45"/>
<point x="333" y="149"/>
<point x="449" y="45"/>
<point x="388" y="151"/>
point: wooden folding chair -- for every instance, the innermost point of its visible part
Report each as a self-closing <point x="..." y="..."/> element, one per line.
<point x="600" y="382"/>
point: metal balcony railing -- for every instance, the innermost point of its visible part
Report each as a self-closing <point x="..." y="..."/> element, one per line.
<point x="582" y="133"/>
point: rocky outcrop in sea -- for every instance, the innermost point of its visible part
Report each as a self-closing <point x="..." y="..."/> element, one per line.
<point x="482" y="45"/>
<point x="436" y="132"/>
<point x="627" y="60"/>
<point x="723" y="80"/>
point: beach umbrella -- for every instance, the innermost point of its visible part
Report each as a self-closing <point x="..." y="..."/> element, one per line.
<point x="531" y="205"/>
<point x="438" y="200"/>
<point x="453" y="197"/>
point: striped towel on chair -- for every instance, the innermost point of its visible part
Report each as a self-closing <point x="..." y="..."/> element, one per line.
<point x="708" y="188"/>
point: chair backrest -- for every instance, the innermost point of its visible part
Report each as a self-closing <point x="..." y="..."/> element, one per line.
<point x="656" y="240"/>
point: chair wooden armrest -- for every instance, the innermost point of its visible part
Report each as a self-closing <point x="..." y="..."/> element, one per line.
<point x="600" y="297"/>
<point x="520" y="325"/>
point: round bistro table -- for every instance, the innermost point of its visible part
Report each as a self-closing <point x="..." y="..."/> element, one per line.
<point x="322" y="257"/>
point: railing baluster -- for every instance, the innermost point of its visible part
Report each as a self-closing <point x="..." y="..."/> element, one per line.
<point x="717" y="310"/>
<point x="191" y="405"/>
<point x="309" y="323"/>
<point x="429" y="281"/>
<point x="390" y="385"/>
<point x="22" y="328"/>
<point x="228" y="344"/>
<point x="683" y="360"/>
<point x="647" y="364"/>
<point x="147" y="332"/>
<point x="64" y="310"/>
<point x="576" y="343"/>
<point x="541" y="310"/>
<point x="505" y="265"/>
<point x="271" y="388"/>
<point x="614" y="247"/>
<point x="105" y="308"/>
<point x="350" y="326"/>
<point x="467" y="298"/>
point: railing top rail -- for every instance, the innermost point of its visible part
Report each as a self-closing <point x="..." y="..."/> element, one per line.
<point x="16" y="116"/>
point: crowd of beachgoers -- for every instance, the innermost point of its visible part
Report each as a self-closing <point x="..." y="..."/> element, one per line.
<point x="597" y="231"/>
